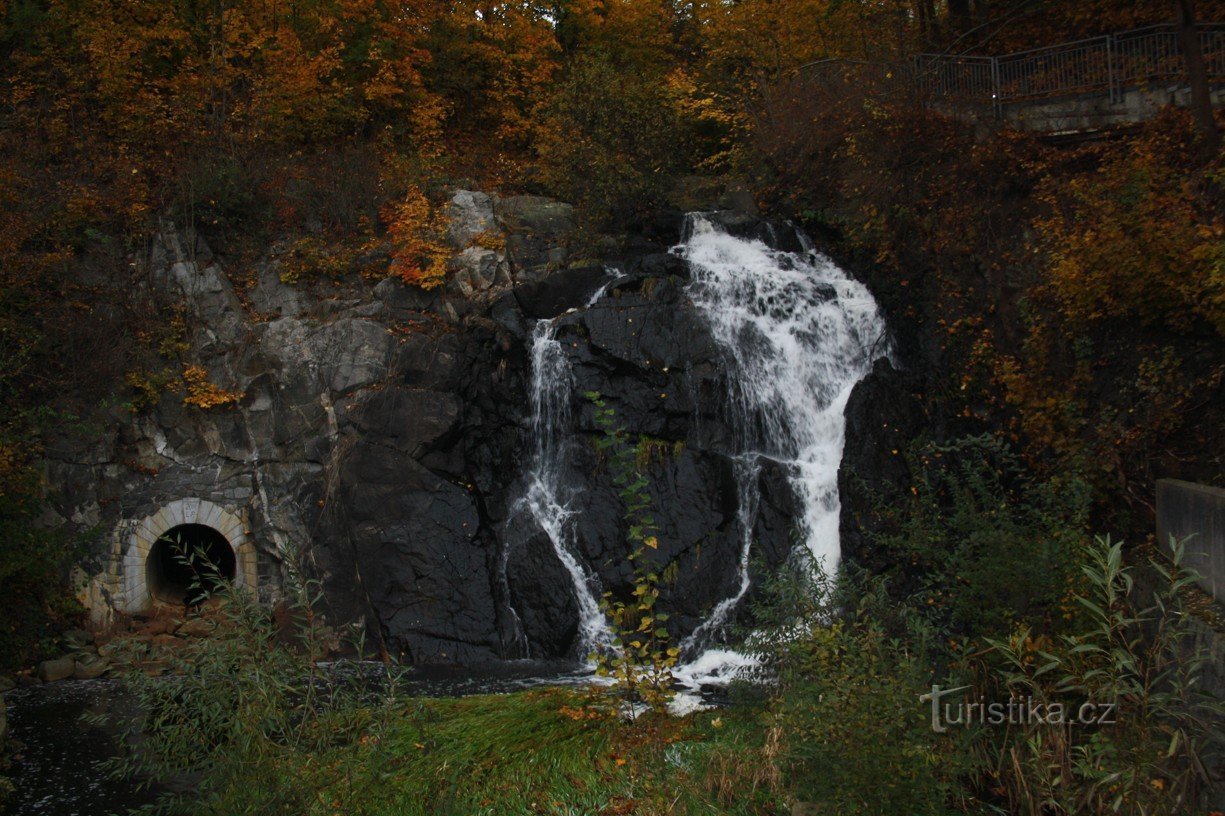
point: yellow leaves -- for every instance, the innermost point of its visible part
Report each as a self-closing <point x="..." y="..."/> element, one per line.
<point x="415" y="227"/>
<point x="204" y="394"/>
<point x="1133" y="239"/>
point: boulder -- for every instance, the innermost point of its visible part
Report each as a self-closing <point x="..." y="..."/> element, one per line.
<point x="76" y="638"/>
<point x="536" y="215"/>
<point x="475" y="270"/>
<point x="61" y="668"/>
<point x="470" y="214"/>
<point x="196" y="627"/>
<point x="157" y="626"/>
<point x="271" y="297"/>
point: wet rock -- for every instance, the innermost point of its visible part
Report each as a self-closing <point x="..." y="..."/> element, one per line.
<point x="52" y="671"/>
<point x="542" y="596"/>
<point x="412" y="546"/>
<point x="383" y="431"/>
<point x="559" y="291"/>
<point x="408" y="419"/>
<point x="883" y="416"/>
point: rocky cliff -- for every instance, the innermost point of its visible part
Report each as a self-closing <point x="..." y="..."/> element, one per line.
<point x="381" y="436"/>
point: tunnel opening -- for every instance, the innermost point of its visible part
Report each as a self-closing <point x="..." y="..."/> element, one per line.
<point x="188" y="563"/>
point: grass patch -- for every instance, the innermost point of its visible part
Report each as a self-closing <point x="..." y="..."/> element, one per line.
<point x="553" y="751"/>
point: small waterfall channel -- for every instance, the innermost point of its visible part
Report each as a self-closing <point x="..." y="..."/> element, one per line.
<point x="797" y="334"/>
<point x="547" y="499"/>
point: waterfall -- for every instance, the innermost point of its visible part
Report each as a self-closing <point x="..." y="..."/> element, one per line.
<point x="798" y="334"/>
<point x="545" y="498"/>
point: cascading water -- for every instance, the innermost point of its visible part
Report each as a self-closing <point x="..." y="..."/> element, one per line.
<point x="545" y="499"/>
<point x="798" y="334"/>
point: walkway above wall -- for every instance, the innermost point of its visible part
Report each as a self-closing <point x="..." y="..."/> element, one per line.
<point x="1114" y="79"/>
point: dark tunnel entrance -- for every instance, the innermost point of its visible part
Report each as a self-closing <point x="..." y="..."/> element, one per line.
<point x="187" y="563"/>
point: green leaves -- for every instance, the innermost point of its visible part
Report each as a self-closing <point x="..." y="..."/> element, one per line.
<point x="638" y="659"/>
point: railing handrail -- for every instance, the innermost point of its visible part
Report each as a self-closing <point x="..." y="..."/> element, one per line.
<point x="1129" y="33"/>
<point x="1105" y="63"/>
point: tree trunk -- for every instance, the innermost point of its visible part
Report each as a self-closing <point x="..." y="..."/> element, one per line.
<point x="1197" y="74"/>
<point x="959" y="13"/>
<point x="925" y="10"/>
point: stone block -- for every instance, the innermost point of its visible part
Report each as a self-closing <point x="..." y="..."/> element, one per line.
<point x="61" y="668"/>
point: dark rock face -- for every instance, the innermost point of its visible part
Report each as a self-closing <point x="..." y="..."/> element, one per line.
<point x="883" y="416"/>
<point x="645" y="349"/>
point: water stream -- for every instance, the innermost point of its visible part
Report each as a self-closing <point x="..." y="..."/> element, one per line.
<point x="548" y="499"/>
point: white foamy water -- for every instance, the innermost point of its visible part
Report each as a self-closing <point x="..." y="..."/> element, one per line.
<point x="545" y="499"/>
<point x="798" y="334"/>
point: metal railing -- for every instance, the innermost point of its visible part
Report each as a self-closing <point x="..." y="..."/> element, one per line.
<point x="1098" y="65"/>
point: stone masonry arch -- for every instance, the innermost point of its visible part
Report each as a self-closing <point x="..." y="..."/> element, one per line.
<point x="138" y="597"/>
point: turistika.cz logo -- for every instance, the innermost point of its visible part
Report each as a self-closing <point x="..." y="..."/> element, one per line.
<point x="1015" y="711"/>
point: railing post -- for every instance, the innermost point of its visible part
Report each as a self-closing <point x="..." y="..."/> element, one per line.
<point x="1115" y="97"/>
<point x="997" y="101"/>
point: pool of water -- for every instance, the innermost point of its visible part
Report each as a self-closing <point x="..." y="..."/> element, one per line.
<point x="69" y="730"/>
<point x="60" y="767"/>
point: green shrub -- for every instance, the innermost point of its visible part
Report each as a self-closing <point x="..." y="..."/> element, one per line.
<point x="1140" y="652"/>
<point x="641" y="657"/>
<point x="219" y="191"/>
<point x="854" y="737"/>
<point x="34" y="565"/>
<point x="981" y="543"/>
<point x="248" y="714"/>
<point x="610" y="140"/>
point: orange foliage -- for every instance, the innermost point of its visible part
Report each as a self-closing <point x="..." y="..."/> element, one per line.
<point x="1135" y="238"/>
<point x="415" y="227"/>
<point x="202" y="393"/>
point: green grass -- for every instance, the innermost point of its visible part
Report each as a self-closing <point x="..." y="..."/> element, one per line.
<point x="551" y="751"/>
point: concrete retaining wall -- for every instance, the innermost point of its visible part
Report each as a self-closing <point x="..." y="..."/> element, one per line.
<point x="1189" y="509"/>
